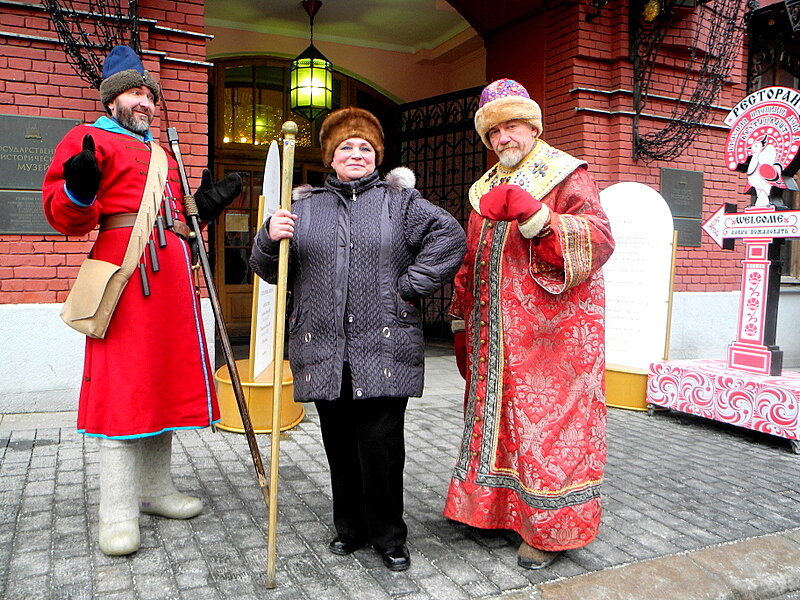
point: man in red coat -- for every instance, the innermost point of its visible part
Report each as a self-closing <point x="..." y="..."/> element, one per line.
<point x="529" y="303"/>
<point x="150" y="375"/>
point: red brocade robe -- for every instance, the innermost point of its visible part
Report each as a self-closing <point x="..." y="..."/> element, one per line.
<point x="533" y="450"/>
<point x="151" y="373"/>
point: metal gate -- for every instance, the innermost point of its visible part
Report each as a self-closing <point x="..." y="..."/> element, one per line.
<point x="438" y="142"/>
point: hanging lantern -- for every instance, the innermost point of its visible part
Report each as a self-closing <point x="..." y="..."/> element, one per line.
<point x="311" y="76"/>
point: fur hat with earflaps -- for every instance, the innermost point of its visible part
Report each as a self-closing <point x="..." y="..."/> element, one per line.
<point x="505" y="100"/>
<point x="346" y="123"/>
<point x="122" y="70"/>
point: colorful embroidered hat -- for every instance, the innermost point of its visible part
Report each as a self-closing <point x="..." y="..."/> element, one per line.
<point x="122" y="70"/>
<point x="505" y="100"/>
<point x="346" y="123"/>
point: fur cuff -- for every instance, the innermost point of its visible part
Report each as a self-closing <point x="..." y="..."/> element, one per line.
<point x="531" y="227"/>
<point x="401" y="178"/>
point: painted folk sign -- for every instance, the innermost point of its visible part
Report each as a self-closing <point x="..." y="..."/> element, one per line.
<point x="764" y="140"/>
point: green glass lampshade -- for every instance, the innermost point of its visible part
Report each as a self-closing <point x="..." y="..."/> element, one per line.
<point x="311" y="84"/>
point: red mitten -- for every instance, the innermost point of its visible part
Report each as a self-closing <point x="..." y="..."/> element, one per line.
<point x="508" y="202"/>
<point x="460" y="348"/>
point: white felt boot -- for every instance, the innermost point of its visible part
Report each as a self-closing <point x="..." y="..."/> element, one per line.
<point x="119" y="489"/>
<point x="159" y="495"/>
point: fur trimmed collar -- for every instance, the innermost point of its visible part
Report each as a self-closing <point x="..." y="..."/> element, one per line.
<point x="399" y="178"/>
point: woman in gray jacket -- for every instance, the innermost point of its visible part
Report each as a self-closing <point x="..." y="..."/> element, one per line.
<point x="364" y="250"/>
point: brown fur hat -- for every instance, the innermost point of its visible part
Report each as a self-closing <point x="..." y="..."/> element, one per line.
<point x="346" y="123"/>
<point x="505" y="100"/>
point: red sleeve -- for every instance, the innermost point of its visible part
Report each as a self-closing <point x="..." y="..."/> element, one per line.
<point x="579" y="241"/>
<point x="575" y="204"/>
<point x="61" y="212"/>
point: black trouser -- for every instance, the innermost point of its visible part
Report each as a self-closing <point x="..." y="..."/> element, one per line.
<point x="365" y="444"/>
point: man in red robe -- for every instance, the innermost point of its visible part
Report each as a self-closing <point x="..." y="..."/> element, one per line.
<point x="150" y="375"/>
<point x="528" y="306"/>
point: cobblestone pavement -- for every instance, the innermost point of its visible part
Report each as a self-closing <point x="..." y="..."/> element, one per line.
<point x="675" y="485"/>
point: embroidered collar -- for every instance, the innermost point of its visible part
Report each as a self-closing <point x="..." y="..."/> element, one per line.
<point x="538" y="173"/>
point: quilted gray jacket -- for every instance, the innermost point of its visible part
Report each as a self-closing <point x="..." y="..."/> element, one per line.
<point x="362" y="254"/>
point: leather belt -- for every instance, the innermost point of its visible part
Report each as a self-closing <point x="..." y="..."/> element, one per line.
<point x="128" y="219"/>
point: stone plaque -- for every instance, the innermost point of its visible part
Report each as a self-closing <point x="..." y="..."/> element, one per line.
<point x="26" y="149"/>
<point x="27" y="145"/>
<point x="637" y="275"/>
<point x="21" y="213"/>
<point x="688" y="231"/>
<point x="683" y="191"/>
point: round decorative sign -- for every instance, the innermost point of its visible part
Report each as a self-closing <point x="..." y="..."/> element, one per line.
<point x="764" y="139"/>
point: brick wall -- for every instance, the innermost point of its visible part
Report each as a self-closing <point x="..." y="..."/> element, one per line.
<point x="582" y="75"/>
<point x="37" y="80"/>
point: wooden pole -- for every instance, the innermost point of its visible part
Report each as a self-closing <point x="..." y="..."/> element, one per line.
<point x="289" y="131"/>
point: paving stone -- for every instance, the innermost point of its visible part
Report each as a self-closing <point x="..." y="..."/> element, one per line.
<point x="699" y="486"/>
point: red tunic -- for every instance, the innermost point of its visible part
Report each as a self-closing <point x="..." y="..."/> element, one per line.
<point x="533" y="450"/>
<point x="151" y="373"/>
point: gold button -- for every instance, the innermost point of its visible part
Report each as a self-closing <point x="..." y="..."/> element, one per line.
<point x="483" y="323"/>
<point x="483" y="341"/>
<point x="483" y="302"/>
<point x="482" y="359"/>
<point x="483" y="262"/>
<point x="482" y="377"/>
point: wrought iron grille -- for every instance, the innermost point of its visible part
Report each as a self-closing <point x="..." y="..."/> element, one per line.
<point x="717" y="31"/>
<point x="439" y="143"/>
<point x="89" y="29"/>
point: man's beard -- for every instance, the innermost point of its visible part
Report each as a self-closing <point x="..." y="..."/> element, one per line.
<point x="510" y="157"/>
<point x="126" y="118"/>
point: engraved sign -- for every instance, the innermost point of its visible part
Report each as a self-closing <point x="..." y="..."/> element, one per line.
<point x="683" y="191"/>
<point x="26" y="149"/>
<point x="27" y="145"/>
<point x="637" y="276"/>
<point x="21" y="213"/>
<point x="263" y="330"/>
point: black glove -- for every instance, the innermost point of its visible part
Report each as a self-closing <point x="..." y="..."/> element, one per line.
<point x="212" y="198"/>
<point x="81" y="172"/>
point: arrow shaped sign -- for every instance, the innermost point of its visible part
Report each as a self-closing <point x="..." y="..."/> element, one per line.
<point x="723" y="225"/>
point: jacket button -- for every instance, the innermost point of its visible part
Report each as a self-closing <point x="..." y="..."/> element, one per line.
<point x="307" y="336"/>
<point x="386" y="332"/>
<point x="359" y="393"/>
<point x="404" y="314"/>
<point x="308" y="376"/>
<point x="351" y="318"/>
<point x="387" y="372"/>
